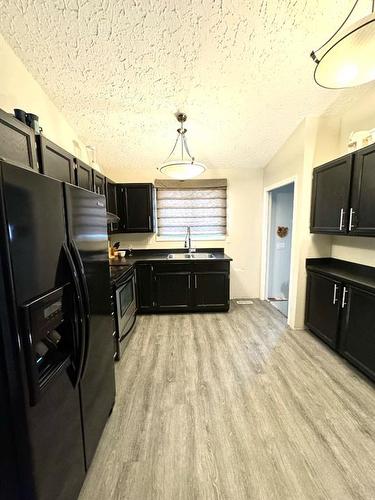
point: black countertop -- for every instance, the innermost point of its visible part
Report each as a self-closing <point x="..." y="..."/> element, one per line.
<point x="348" y="272"/>
<point x="154" y="255"/>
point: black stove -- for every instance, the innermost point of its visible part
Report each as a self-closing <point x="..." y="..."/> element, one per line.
<point x="117" y="273"/>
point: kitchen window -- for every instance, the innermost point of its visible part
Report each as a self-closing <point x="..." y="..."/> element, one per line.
<point x="199" y="204"/>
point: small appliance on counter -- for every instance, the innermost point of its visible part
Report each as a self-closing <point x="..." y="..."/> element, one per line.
<point x="123" y="283"/>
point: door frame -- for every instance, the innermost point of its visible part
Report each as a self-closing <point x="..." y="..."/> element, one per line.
<point x="266" y="241"/>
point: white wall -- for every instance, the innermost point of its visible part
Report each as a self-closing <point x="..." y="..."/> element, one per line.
<point x="19" y="89"/>
<point x="244" y="212"/>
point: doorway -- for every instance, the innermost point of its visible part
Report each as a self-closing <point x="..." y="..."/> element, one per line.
<point x="280" y="230"/>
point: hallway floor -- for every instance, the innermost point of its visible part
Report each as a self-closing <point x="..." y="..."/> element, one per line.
<point x="234" y="406"/>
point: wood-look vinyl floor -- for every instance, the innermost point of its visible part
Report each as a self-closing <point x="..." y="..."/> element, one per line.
<point x="234" y="406"/>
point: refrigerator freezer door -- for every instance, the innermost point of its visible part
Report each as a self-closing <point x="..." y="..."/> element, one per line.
<point x="87" y="232"/>
<point x="34" y="209"/>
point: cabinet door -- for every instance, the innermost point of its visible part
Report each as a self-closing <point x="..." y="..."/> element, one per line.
<point x="55" y="161"/>
<point x="362" y="209"/>
<point x="357" y="343"/>
<point x="138" y="208"/>
<point x="98" y="182"/>
<point x="211" y="289"/>
<point x="111" y="195"/>
<point x="83" y="175"/>
<point x="330" y="196"/>
<point x="144" y="286"/>
<point x="17" y="142"/>
<point x="323" y="307"/>
<point x="173" y="290"/>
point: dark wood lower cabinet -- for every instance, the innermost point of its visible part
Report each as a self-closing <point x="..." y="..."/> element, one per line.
<point x="177" y="287"/>
<point x="145" y="284"/>
<point x="340" y="309"/>
<point x="323" y="307"/>
<point x="211" y="289"/>
<point x="357" y="343"/>
<point x="172" y="290"/>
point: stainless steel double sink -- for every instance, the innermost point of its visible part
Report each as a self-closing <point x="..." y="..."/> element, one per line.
<point x="191" y="256"/>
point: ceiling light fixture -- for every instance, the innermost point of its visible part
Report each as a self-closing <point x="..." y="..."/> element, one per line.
<point x="348" y="59"/>
<point x="185" y="167"/>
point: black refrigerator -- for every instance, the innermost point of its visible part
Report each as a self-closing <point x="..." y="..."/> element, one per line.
<point x="58" y="383"/>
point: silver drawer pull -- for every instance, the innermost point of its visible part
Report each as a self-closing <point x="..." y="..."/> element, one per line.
<point x="342" y="219"/>
<point x="351" y="225"/>
<point x="344" y="292"/>
<point x="335" y="288"/>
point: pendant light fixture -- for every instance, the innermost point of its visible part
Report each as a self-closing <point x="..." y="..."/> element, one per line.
<point x="184" y="166"/>
<point x="348" y="58"/>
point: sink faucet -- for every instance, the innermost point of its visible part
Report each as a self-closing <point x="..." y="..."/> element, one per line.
<point x="187" y="243"/>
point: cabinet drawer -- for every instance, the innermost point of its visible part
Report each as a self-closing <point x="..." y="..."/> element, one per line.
<point x="199" y="267"/>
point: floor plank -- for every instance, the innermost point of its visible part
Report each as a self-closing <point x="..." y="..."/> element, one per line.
<point x="234" y="406"/>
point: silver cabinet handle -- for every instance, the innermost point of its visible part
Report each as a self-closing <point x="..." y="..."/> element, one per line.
<point x="335" y="288"/>
<point x="342" y="219"/>
<point x="149" y="221"/>
<point x="195" y="281"/>
<point x="189" y="282"/>
<point x="344" y="292"/>
<point x="351" y="225"/>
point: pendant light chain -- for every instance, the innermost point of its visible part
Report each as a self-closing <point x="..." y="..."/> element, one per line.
<point x="333" y="36"/>
<point x="180" y="137"/>
<point x="174" y="146"/>
<point x="187" y="149"/>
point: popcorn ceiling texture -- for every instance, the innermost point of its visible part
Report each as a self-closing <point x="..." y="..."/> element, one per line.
<point x="119" y="70"/>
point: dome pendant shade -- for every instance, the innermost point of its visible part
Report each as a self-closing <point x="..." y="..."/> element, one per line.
<point x="350" y="58"/>
<point x="182" y="169"/>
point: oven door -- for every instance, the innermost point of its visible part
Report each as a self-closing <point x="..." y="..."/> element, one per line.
<point x="126" y="306"/>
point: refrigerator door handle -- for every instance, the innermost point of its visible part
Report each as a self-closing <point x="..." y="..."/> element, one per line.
<point x="82" y="277"/>
<point x="82" y="326"/>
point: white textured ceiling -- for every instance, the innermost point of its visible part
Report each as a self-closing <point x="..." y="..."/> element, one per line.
<point x="119" y="70"/>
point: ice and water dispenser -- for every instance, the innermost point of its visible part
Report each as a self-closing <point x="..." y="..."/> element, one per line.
<point x="50" y="340"/>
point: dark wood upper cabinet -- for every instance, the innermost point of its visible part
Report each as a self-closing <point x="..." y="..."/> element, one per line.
<point x="323" y="307"/>
<point x="211" y="289"/>
<point x="136" y="208"/>
<point x="17" y="142"/>
<point x="84" y="176"/>
<point x="362" y="206"/>
<point x="55" y="161"/>
<point x="98" y="180"/>
<point x="358" y="334"/>
<point x="330" y="196"/>
<point x="111" y="195"/>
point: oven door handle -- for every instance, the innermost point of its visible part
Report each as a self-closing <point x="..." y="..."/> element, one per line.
<point x="124" y="281"/>
<point x="81" y="336"/>
<point x="82" y="279"/>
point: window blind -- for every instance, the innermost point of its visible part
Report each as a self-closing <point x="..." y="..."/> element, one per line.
<point x="203" y="209"/>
